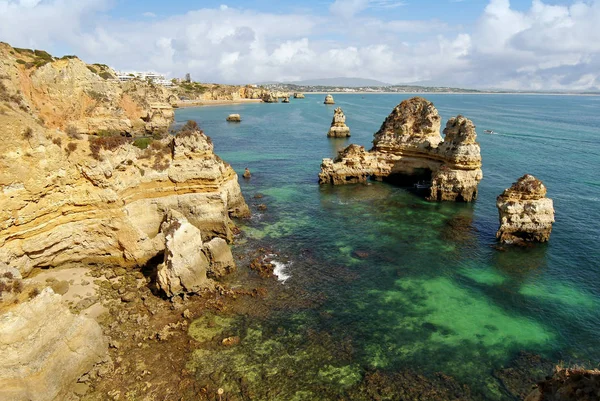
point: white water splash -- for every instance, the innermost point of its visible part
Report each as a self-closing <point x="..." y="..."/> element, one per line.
<point x="279" y="271"/>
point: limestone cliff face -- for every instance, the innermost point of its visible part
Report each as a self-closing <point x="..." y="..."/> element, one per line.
<point x="525" y="213"/>
<point x="409" y="147"/>
<point x="45" y="348"/>
<point x="67" y="94"/>
<point x="61" y="204"/>
<point x="338" y="128"/>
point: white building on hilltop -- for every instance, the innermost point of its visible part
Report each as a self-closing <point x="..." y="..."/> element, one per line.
<point x="152" y="76"/>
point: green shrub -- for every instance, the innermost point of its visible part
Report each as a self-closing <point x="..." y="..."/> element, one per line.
<point x="142" y="143"/>
<point x="92" y="69"/>
<point x="21" y="61"/>
<point x="68" y="57"/>
<point x="23" y="51"/>
<point x="106" y="75"/>
<point x="43" y="55"/>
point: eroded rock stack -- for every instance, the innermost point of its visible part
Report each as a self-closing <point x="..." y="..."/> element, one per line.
<point x="298" y="95"/>
<point x="329" y="100"/>
<point x="270" y="98"/>
<point x="526" y="215"/>
<point x="408" y="148"/>
<point x="338" y="129"/>
<point x="234" y="118"/>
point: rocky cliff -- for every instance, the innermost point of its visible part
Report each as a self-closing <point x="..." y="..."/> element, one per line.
<point x="70" y="95"/>
<point x="69" y="197"/>
<point x="408" y="148"/>
<point x="526" y="215"/>
<point x="210" y="92"/>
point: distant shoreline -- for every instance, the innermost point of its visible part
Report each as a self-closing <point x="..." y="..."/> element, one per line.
<point x="203" y="103"/>
<point x="452" y="93"/>
<point x="200" y="103"/>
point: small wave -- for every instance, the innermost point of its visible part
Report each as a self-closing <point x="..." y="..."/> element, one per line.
<point x="280" y="270"/>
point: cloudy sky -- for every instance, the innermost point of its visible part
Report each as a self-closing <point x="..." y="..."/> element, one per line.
<point x="518" y="44"/>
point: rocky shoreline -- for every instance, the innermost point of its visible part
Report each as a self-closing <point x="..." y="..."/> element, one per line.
<point x="117" y="250"/>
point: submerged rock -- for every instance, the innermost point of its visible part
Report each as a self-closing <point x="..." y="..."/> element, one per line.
<point x="234" y="118"/>
<point x="568" y="385"/>
<point x="338" y="129"/>
<point x="45" y="349"/>
<point x="220" y="258"/>
<point x="526" y="215"/>
<point x="329" y="100"/>
<point x="409" y="148"/>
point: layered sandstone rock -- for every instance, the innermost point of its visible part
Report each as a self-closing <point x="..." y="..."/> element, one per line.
<point x="270" y="98"/>
<point x="185" y="266"/>
<point x="45" y="348"/>
<point x="329" y="100"/>
<point x="409" y="148"/>
<point x="102" y="200"/>
<point x="338" y="129"/>
<point x="190" y="264"/>
<point x="298" y="95"/>
<point x="525" y="212"/>
<point x="67" y="94"/>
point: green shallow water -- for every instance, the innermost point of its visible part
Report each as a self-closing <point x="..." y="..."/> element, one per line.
<point x="433" y="294"/>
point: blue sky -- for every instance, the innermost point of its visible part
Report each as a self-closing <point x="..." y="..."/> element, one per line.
<point x="512" y="44"/>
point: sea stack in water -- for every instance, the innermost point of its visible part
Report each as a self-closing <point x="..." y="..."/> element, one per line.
<point x="329" y="100"/>
<point x="234" y="118"/>
<point x="286" y="100"/>
<point x="526" y="215"/>
<point x="338" y="129"/>
<point x="247" y="173"/>
<point x="298" y="95"/>
<point x="409" y="148"/>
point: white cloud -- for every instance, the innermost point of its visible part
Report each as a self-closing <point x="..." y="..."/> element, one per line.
<point x="544" y="47"/>
<point x="149" y="14"/>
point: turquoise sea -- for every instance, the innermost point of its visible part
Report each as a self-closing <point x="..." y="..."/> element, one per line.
<point x="434" y="292"/>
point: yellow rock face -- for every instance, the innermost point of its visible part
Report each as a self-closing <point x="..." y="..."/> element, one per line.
<point x="86" y="199"/>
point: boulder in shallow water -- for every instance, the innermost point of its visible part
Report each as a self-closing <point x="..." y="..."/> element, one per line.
<point x="220" y="258"/>
<point x="329" y="100"/>
<point x="338" y="129"/>
<point x="234" y="118"/>
<point x="525" y="213"/>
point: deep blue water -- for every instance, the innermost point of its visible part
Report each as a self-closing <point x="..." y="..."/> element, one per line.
<point x="434" y="294"/>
